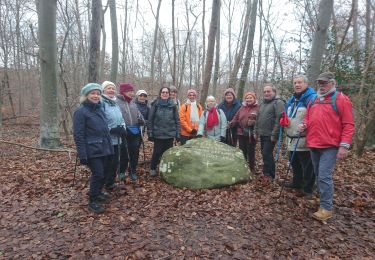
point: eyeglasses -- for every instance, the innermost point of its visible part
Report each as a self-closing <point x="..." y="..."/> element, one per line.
<point x="143" y="95"/>
<point x="173" y="91"/>
<point x="165" y="92"/>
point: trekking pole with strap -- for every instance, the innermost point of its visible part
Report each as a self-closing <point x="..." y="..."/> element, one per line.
<point x="118" y="158"/>
<point x="75" y="169"/>
<point x="143" y="145"/>
<point x="290" y="163"/>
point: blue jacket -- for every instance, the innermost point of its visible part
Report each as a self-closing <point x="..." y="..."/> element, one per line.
<point x="294" y="103"/>
<point x="163" y="121"/>
<point x="90" y="131"/>
<point x="296" y="109"/>
<point x="230" y="112"/>
<point x="113" y="117"/>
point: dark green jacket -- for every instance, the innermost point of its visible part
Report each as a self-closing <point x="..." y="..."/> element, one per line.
<point x="268" y="120"/>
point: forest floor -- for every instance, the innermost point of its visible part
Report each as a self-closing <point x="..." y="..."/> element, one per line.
<point x="43" y="216"/>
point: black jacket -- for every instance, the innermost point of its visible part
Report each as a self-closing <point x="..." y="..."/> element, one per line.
<point x="91" y="133"/>
<point x="163" y="121"/>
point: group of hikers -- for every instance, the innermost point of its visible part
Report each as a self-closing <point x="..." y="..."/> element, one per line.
<point x="109" y="128"/>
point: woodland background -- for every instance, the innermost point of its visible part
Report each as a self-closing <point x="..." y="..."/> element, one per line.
<point x="49" y="49"/>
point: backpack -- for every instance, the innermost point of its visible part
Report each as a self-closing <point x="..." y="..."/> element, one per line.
<point x="331" y="101"/>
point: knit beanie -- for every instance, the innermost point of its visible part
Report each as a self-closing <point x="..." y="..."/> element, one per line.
<point x="107" y="83"/>
<point x="192" y="91"/>
<point x="126" y="87"/>
<point x="90" y="87"/>
<point x="230" y="90"/>
<point x="251" y="94"/>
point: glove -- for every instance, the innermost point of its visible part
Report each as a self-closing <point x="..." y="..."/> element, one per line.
<point x="140" y="121"/>
<point x="284" y="120"/>
<point x="231" y="124"/>
<point x="150" y="138"/>
<point x="222" y="139"/>
<point x="83" y="162"/>
<point x="118" y="130"/>
<point x="199" y="136"/>
<point x="250" y="122"/>
<point x="193" y="132"/>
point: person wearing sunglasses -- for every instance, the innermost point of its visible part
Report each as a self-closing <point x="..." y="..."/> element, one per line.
<point x="163" y="126"/>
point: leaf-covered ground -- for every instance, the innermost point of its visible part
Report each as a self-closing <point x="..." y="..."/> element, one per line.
<point x="43" y="216"/>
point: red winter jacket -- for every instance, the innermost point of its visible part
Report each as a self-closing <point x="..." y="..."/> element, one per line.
<point x="327" y="127"/>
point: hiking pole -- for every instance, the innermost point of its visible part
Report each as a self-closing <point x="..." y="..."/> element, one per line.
<point x="290" y="163"/>
<point x="143" y="145"/>
<point x="75" y="169"/>
<point x="127" y="152"/>
<point x="118" y="158"/>
<point x="279" y="143"/>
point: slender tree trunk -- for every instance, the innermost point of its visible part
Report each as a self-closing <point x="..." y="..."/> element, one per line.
<point x="104" y="46"/>
<point x="203" y="38"/>
<point x="49" y="121"/>
<point x="217" y="58"/>
<point x="114" y="64"/>
<point x="249" y="50"/>
<point x="94" y="53"/>
<point x="155" y="41"/>
<point x="355" y="36"/>
<point x="210" y="49"/>
<point x="319" y="41"/>
<point x="238" y="59"/>
<point x="174" y="80"/>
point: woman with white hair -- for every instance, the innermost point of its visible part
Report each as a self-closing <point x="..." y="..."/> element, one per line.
<point x="93" y="142"/>
<point x="213" y="123"/>
<point x="116" y="125"/>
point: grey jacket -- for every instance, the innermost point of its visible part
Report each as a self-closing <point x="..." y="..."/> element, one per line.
<point x="268" y="120"/>
<point x="130" y="111"/>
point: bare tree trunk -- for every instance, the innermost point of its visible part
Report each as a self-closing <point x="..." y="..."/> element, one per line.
<point x="204" y="38"/>
<point x="238" y="59"/>
<point x="104" y="45"/>
<point x="49" y="121"/>
<point x="210" y="49"/>
<point x="249" y="50"/>
<point x="174" y="80"/>
<point x="114" y="63"/>
<point x="94" y="53"/>
<point x="319" y="41"/>
<point x="124" y="40"/>
<point x="155" y="41"/>
<point x="217" y="58"/>
<point x="355" y="35"/>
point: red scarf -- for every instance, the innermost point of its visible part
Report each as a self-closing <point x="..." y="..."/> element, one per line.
<point x="212" y="119"/>
<point x="128" y="99"/>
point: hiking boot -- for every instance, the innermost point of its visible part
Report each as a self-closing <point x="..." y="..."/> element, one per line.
<point x="153" y="173"/>
<point x="111" y="187"/>
<point x="291" y="185"/>
<point x="95" y="206"/>
<point x="323" y="214"/>
<point x="121" y="176"/>
<point x="133" y="176"/>
<point x="103" y="198"/>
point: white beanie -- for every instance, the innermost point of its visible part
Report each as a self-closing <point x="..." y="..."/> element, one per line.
<point x="108" y="83"/>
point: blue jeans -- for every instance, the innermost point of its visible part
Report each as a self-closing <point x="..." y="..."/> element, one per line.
<point x="267" y="147"/>
<point x="324" y="161"/>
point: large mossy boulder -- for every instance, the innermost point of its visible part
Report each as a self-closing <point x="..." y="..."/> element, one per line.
<point x="203" y="164"/>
